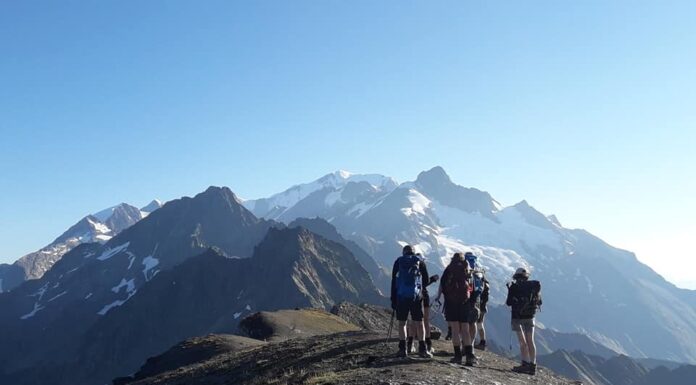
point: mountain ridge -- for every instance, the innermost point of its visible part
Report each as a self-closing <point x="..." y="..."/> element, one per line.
<point x="440" y="217"/>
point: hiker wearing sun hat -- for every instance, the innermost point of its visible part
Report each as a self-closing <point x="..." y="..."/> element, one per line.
<point x="524" y="299"/>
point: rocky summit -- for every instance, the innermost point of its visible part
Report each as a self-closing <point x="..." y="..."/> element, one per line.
<point x="350" y="357"/>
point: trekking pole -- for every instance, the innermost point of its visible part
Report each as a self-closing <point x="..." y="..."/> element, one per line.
<point x="391" y="325"/>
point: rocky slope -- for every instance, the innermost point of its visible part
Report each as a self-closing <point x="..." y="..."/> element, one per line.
<point x="353" y="357"/>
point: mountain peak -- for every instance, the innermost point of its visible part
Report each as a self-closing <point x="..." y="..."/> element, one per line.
<point x="107" y="213"/>
<point x="152" y="206"/>
<point x="435" y="175"/>
<point x="217" y="192"/>
<point x="532" y="215"/>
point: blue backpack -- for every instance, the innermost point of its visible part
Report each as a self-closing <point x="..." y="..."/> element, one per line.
<point x="477" y="273"/>
<point x="409" y="282"/>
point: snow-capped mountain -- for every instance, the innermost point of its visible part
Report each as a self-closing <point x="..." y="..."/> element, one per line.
<point x="589" y="286"/>
<point x="98" y="227"/>
<point x="276" y="205"/>
<point x="182" y="271"/>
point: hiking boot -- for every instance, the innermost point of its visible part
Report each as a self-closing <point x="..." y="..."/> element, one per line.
<point x="457" y="355"/>
<point x="531" y="369"/>
<point x="423" y="351"/>
<point x="429" y="345"/>
<point x="470" y="357"/>
<point x="521" y="368"/>
<point x="402" y="349"/>
<point x="481" y="345"/>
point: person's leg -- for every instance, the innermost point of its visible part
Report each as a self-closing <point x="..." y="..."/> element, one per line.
<point x="470" y="336"/>
<point x="481" y="332"/>
<point x="411" y="334"/>
<point x="466" y="318"/>
<point x="401" y="317"/>
<point x="472" y="331"/>
<point x="417" y="316"/>
<point x="456" y="340"/>
<point x="426" y="326"/>
<point x="531" y="347"/>
<point x="524" y="352"/>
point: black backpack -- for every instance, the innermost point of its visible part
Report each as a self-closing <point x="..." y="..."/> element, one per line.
<point x="528" y="298"/>
<point x="455" y="286"/>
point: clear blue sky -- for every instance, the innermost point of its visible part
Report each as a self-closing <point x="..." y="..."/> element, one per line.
<point x="587" y="109"/>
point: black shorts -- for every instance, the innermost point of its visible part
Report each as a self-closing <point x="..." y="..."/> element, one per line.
<point x="467" y="312"/>
<point x="412" y="307"/>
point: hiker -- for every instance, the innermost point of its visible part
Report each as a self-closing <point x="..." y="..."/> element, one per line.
<point x="456" y="288"/>
<point x="426" y="310"/>
<point x="524" y="298"/>
<point x="407" y="297"/>
<point x="482" y="288"/>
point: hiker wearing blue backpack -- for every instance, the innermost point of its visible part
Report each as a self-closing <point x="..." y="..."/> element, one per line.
<point x="408" y="275"/>
<point x="479" y="302"/>
<point x="524" y="298"/>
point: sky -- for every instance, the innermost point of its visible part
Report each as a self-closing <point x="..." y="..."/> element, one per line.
<point x="586" y="109"/>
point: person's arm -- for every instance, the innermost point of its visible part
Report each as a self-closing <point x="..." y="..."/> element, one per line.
<point x="439" y="289"/>
<point x="486" y="292"/>
<point x="395" y="269"/>
<point x="509" y="301"/>
<point x="424" y="272"/>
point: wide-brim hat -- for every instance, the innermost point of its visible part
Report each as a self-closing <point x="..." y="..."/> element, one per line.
<point x="521" y="273"/>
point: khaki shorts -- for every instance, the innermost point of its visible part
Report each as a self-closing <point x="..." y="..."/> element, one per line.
<point x="526" y="325"/>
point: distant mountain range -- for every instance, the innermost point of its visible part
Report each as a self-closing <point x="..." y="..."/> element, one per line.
<point x="590" y="287"/>
<point x="125" y="283"/>
<point x="192" y="267"/>
<point x="99" y="227"/>
<point x="617" y="370"/>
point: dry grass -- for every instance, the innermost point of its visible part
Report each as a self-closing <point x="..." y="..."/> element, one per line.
<point x="323" y="378"/>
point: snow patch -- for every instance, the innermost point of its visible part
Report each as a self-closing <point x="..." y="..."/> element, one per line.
<point x="332" y="198"/>
<point x="114" y="304"/>
<point x="40" y="293"/>
<point x="37" y="307"/>
<point x="58" y="296"/>
<point x="131" y="258"/>
<point x="129" y="285"/>
<point x="88" y="295"/>
<point x="419" y="203"/>
<point x="108" y="253"/>
<point x="150" y="263"/>
<point x="237" y="315"/>
<point x="101" y="238"/>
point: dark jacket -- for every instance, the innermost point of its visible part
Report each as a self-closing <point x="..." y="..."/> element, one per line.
<point x="424" y="277"/>
<point x="518" y="292"/>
